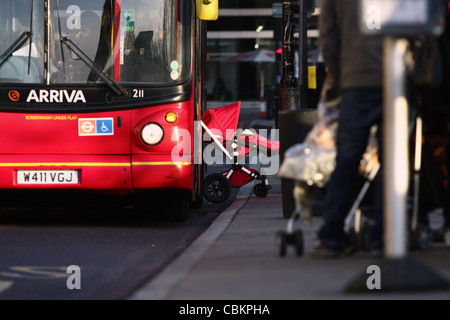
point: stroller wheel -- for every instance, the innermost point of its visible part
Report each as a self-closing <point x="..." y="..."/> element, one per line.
<point x="216" y="188"/>
<point x="421" y="238"/>
<point x="260" y="190"/>
<point x="298" y="242"/>
<point x="281" y="240"/>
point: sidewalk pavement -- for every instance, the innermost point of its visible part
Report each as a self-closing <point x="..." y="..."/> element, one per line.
<point x="237" y="259"/>
<point x="244" y="104"/>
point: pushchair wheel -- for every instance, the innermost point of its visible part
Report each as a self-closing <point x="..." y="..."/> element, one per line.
<point x="281" y="240"/>
<point x="422" y="238"/>
<point x="296" y="239"/>
<point x="260" y="190"/>
<point x="358" y="240"/>
<point x="216" y="188"/>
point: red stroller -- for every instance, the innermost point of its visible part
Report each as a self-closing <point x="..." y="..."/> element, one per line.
<point x="220" y="124"/>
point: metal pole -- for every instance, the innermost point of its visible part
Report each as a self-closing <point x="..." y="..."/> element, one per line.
<point x="396" y="163"/>
<point x="303" y="54"/>
<point x="417" y="166"/>
<point x="288" y="83"/>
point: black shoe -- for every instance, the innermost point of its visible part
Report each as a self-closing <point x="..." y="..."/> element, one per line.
<point x="325" y="251"/>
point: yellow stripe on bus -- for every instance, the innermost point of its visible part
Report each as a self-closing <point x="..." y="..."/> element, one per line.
<point x="161" y="163"/>
<point x="66" y="164"/>
<point x="94" y="164"/>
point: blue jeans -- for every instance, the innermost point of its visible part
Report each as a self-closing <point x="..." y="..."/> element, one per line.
<point x="359" y="110"/>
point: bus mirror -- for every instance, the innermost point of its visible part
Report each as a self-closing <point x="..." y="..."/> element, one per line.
<point x="208" y="9"/>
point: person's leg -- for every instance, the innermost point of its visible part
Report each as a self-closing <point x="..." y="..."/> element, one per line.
<point x="357" y="114"/>
<point x="375" y="228"/>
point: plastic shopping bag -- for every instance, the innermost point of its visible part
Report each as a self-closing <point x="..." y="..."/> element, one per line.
<point x="313" y="160"/>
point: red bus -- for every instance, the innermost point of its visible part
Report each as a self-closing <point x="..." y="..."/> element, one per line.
<point x="93" y="95"/>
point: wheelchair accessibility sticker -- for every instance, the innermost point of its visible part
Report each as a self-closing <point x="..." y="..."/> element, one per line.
<point x="96" y="127"/>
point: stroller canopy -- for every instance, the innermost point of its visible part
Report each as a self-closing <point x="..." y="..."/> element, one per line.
<point x="225" y="119"/>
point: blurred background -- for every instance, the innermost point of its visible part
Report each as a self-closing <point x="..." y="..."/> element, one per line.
<point x="244" y="50"/>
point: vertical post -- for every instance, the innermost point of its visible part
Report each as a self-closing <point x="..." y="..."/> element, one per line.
<point x="294" y="123"/>
<point x="46" y="38"/>
<point x="303" y="53"/>
<point x="263" y="102"/>
<point x="288" y="84"/>
<point x="417" y="166"/>
<point x="396" y="162"/>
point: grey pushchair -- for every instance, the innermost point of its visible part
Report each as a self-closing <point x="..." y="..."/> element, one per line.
<point x="310" y="165"/>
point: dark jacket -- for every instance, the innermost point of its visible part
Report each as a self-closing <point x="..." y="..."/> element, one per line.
<point x="353" y="60"/>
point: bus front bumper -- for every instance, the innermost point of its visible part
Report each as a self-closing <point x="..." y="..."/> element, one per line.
<point x="97" y="173"/>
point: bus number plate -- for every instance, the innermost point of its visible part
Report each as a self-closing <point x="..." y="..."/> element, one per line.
<point x="47" y="177"/>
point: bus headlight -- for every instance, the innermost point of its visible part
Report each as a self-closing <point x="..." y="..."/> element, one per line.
<point x="152" y="134"/>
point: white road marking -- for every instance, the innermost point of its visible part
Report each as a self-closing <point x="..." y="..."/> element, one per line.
<point x="5" y="285"/>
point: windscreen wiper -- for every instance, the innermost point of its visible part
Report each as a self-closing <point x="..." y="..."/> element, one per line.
<point x="31" y="31"/>
<point x="114" y="85"/>
<point x="16" y="45"/>
<point x="60" y="36"/>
